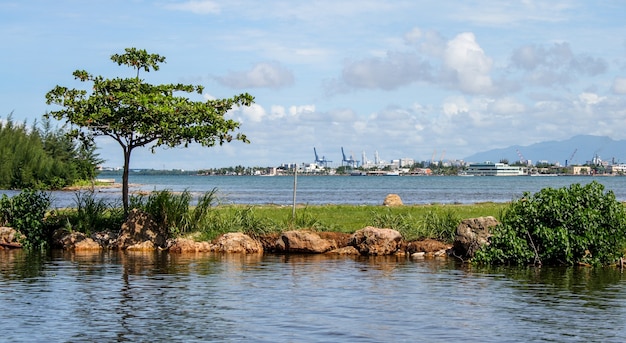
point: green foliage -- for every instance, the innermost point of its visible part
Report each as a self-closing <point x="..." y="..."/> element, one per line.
<point x="90" y="214"/>
<point x="436" y="223"/>
<point x="168" y="209"/>
<point x="41" y="158"/>
<point x="566" y="226"/>
<point x="26" y="213"/>
<point x="136" y="114"/>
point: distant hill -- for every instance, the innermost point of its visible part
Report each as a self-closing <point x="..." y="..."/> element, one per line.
<point x="584" y="146"/>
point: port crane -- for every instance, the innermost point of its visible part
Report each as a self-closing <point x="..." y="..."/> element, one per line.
<point x="571" y="157"/>
<point x="349" y="161"/>
<point x="322" y="161"/>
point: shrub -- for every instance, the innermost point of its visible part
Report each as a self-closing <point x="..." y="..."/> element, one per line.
<point x="566" y="226"/>
<point x="26" y="213"/>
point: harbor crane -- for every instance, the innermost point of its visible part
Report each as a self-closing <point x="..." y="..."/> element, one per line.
<point x="349" y="161"/>
<point x="571" y="157"/>
<point x="323" y="161"/>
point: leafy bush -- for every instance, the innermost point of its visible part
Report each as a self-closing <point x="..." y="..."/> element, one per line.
<point x="26" y="213"/>
<point x="566" y="226"/>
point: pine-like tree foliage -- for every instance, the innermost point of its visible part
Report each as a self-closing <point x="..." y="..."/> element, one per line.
<point x="42" y="158"/>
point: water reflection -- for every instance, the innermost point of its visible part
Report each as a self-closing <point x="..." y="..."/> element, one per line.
<point x="156" y="296"/>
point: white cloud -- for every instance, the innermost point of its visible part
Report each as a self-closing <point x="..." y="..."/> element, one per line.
<point x="619" y="85"/>
<point x="471" y="67"/>
<point x="196" y="6"/>
<point x="262" y="75"/>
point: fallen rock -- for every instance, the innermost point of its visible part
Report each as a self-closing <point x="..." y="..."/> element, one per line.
<point x="77" y="241"/>
<point x="349" y="250"/>
<point x="140" y="227"/>
<point x="471" y="235"/>
<point x="9" y="238"/>
<point x="186" y="245"/>
<point x="304" y="242"/>
<point x="426" y="246"/>
<point x="237" y="242"/>
<point x="375" y="241"/>
<point x="392" y="200"/>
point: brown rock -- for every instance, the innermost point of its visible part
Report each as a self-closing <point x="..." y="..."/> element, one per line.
<point x="472" y="234"/>
<point x="142" y="246"/>
<point x="349" y="250"/>
<point x="375" y="241"/>
<point x="186" y="245"/>
<point x="392" y="200"/>
<point x="76" y="241"/>
<point x="237" y="242"/>
<point x="304" y="242"/>
<point x="138" y="228"/>
<point x="9" y="238"/>
<point x="426" y="246"/>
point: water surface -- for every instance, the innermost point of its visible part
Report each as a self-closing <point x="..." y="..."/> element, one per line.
<point x="133" y="297"/>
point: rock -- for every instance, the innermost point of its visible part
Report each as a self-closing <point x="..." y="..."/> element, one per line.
<point x="375" y="241"/>
<point x="186" y="245"/>
<point x="304" y="242"/>
<point x="76" y="241"/>
<point x="139" y="228"/>
<point x="392" y="200"/>
<point x="9" y="238"/>
<point x="142" y="246"/>
<point x="349" y="250"/>
<point x="426" y="246"/>
<point x="237" y="242"/>
<point x="471" y="235"/>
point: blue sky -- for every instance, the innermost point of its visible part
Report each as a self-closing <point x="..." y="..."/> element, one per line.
<point x="411" y="78"/>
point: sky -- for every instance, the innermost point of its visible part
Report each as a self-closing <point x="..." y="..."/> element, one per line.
<point x="404" y="79"/>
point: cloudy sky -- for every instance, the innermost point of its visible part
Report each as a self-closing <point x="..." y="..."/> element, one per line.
<point x="412" y="78"/>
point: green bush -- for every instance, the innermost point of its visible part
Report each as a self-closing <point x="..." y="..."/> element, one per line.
<point x="26" y="213"/>
<point x="566" y="226"/>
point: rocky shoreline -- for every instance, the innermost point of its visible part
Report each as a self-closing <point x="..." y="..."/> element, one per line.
<point x="141" y="233"/>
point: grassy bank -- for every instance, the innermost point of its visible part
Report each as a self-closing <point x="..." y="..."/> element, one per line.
<point x="437" y="221"/>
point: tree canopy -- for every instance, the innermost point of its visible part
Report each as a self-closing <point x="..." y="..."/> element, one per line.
<point x="42" y="157"/>
<point x="136" y="113"/>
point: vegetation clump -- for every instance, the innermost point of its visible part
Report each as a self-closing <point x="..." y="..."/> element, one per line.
<point x="26" y="213"/>
<point x="566" y="226"/>
<point x="42" y="157"/>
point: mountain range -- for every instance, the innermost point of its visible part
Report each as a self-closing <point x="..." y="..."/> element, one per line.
<point x="576" y="150"/>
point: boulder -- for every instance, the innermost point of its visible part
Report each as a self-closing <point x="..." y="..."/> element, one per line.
<point x="186" y="245"/>
<point x="9" y="238"/>
<point x="140" y="227"/>
<point x="375" y="241"/>
<point x="76" y="241"/>
<point x="471" y="235"/>
<point x="392" y="200"/>
<point x="237" y="242"/>
<point x="349" y="250"/>
<point x="304" y="242"/>
<point x="426" y="246"/>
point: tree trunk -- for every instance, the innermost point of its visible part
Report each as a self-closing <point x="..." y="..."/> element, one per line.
<point x="125" y="179"/>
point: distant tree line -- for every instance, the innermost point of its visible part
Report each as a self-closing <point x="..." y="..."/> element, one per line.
<point x="43" y="157"/>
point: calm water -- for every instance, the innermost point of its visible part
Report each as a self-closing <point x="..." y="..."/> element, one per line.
<point x="134" y="297"/>
<point x="357" y="190"/>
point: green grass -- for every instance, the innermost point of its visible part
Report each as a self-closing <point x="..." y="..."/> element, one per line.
<point x="437" y="221"/>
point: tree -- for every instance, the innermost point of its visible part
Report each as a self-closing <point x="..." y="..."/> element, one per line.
<point x="136" y="114"/>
